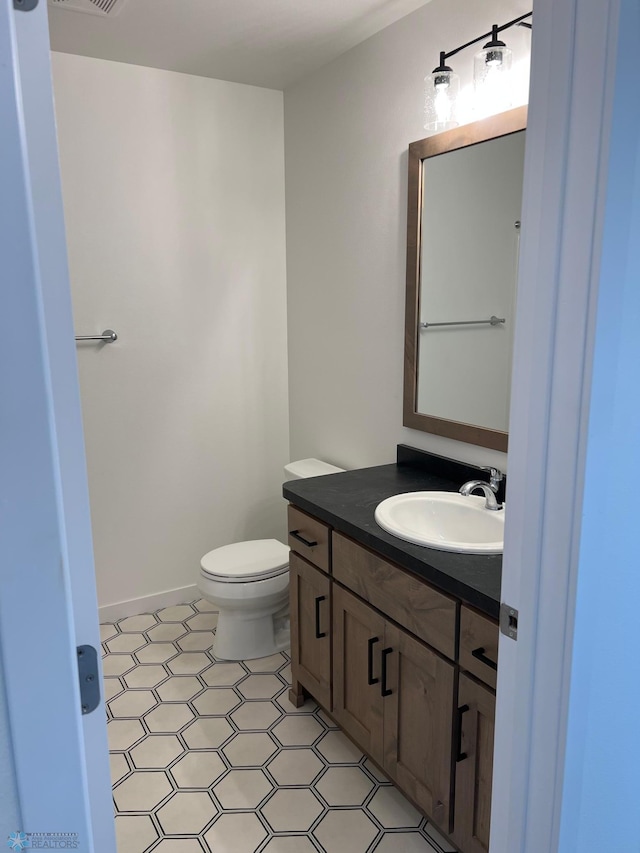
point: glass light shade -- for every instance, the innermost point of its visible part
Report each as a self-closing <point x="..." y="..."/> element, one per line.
<point x="441" y="100"/>
<point x="492" y="80"/>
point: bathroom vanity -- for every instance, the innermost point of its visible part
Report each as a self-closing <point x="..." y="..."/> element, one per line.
<point x="396" y="641"/>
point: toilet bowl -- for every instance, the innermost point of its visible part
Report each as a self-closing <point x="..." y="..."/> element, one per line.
<point x="248" y="583"/>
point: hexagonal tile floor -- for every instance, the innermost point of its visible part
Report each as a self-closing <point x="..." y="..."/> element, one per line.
<point x="210" y="757"/>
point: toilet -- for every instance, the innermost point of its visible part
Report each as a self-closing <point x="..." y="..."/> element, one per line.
<point x="248" y="584"/>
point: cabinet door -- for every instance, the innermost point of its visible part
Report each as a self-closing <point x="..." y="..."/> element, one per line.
<point x="474" y="767"/>
<point x="310" y="597"/>
<point x="358" y="641"/>
<point x="418" y="722"/>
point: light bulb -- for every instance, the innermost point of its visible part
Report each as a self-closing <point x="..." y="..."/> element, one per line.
<point x="440" y="98"/>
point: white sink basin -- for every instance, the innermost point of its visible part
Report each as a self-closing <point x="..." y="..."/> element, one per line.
<point x="447" y="521"/>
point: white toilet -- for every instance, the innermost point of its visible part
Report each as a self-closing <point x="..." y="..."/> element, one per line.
<point x="248" y="583"/>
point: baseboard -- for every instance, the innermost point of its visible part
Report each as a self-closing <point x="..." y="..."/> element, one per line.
<point x="147" y="603"/>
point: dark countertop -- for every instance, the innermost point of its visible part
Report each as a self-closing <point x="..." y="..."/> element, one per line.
<point x="347" y="502"/>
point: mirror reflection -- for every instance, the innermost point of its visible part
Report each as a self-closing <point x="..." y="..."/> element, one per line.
<point x="461" y="279"/>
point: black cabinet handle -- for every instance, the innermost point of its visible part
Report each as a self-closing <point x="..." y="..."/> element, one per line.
<point x="371" y="643"/>
<point x="296" y="535"/>
<point x="480" y="655"/>
<point x="461" y="755"/>
<point x="319" y="634"/>
<point x="384" y="691"/>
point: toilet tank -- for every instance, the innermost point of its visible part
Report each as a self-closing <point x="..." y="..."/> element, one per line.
<point x="309" y="468"/>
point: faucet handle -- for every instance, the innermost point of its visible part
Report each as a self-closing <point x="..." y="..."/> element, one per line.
<point x="495" y="477"/>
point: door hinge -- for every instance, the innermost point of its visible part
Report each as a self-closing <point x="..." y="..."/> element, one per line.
<point x="509" y="621"/>
<point x="89" y="678"/>
<point x="25" y="5"/>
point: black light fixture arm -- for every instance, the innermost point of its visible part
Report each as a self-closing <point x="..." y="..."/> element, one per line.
<point x="446" y="55"/>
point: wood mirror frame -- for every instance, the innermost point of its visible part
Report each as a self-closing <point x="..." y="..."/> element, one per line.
<point x="480" y="131"/>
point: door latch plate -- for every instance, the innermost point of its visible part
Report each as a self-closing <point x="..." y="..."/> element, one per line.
<point x="89" y="678"/>
<point x="25" y="5"/>
<point x="509" y="621"/>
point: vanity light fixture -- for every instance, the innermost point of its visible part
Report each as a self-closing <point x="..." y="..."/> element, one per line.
<point x="492" y="80"/>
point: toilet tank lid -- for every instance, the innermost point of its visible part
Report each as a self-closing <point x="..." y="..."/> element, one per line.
<point x="310" y="468"/>
<point x="241" y="559"/>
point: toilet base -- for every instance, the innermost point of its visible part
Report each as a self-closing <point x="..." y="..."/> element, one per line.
<point x="247" y="635"/>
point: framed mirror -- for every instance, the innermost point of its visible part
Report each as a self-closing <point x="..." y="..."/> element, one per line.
<point x="463" y="233"/>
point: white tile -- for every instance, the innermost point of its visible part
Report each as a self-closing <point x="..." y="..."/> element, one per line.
<point x="325" y="719"/>
<point x="111" y="688"/>
<point x="223" y="674"/>
<point x="197" y="641"/>
<point x="242" y="789"/>
<point x="204" y="606"/>
<point x="294" y="844"/>
<point x="168" y="717"/>
<point x="123" y="733"/>
<point x="132" y="703"/>
<point x="292" y="810"/>
<point x="187" y="812"/>
<point x="178" y="845"/>
<point x="375" y="771"/>
<point x="145" y="676"/>
<point x="203" y="622"/>
<point x="338" y="749"/>
<point x="235" y="833"/>
<point x="179" y="687"/>
<point x="117" y="664"/>
<point x="156" y="653"/>
<point x="137" y="623"/>
<point x="249" y="749"/>
<point x="393" y="810"/>
<point x="134" y="834"/>
<point x="256" y="715"/>
<point x="126" y="643"/>
<point x="216" y="700"/>
<point x="189" y="663"/>
<point x="260" y="686"/>
<point x="166" y="632"/>
<point x="407" y="842"/>
<point x="107" y="630"/>
<point x="269" y="664"/>
<point x="142" y="791"/>
<point x="285" y="674"/>
<point x="344" y="786"/>
<point x="308" y="707"/>
<point x="298" y="731"/>
<point x="198" y="769"/>
<point x="178" y="613"/>
<point x="295" y="766"/>
<point x="119" y="767"/>
<point x="346" y="829"/>
<point x="156" y="751"/>
<point x="207" y="733"/>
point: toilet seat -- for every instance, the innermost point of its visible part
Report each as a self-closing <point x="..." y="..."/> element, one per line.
<point x="245" y="562"/>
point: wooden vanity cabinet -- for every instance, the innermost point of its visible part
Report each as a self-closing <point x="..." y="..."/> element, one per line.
<point x="399" y="665"/>
<point x="310" y="607"/>
<point x="474" y="766"/>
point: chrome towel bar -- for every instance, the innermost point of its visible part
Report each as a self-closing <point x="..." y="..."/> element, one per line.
<point x="492" y="321"/>
<point x="108" y="336"/>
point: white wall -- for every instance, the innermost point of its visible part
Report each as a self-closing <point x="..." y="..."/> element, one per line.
<point x="174" y="205"/>
<point x="347" y="130"/>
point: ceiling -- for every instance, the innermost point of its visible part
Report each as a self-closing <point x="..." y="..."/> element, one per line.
<point x="270" y="43"/>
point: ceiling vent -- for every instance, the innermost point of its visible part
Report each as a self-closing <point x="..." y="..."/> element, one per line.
<point x="92" y="7"/>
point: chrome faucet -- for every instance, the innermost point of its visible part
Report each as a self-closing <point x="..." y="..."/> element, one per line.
<point x="488" y="489"/>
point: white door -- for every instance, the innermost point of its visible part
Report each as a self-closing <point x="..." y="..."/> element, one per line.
<point x="47" y="589"/>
